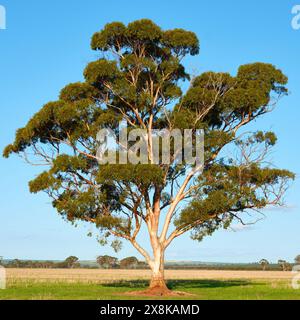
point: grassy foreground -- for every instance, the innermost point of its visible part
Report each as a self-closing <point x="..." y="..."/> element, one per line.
<point x="202" y="289"/>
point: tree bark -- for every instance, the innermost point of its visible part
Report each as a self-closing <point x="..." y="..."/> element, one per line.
<point x="157" y="283"/>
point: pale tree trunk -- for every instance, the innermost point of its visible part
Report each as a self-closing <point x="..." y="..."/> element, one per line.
<point x="157" y="283"/>
<point x="158" y="243"/>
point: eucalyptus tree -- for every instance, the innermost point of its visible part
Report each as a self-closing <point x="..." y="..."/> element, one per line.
<point x="72" y="262"/>
<point x="264" y="263"/>
<point x="129" y="263"/>
<point x="283" y="264"/>
<point x="139" y="78"/>
<point x="297" y="259"/>
<point x="107" y="262"/>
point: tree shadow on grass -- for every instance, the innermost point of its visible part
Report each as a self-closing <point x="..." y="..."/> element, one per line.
<point x="181" y="284"/>
<point x="206" y="283"/>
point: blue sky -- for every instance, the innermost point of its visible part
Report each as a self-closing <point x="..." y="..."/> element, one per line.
<point x="46" y="45"/>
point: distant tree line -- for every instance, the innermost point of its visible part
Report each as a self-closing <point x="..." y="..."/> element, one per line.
<point x="108" y="262"/>
<point x="68" y="263"/>
<point x="281" y="264"/>
<point x="223" y="266"/>
<point x="105" y="262"/>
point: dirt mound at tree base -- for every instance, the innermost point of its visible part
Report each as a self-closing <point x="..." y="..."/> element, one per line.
<point x="157" y="292"/>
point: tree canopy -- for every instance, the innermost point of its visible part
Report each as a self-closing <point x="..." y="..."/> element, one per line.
<point x="129" y="262"/>
<point x="107" y="261"/>
<point x="264" y="263"/>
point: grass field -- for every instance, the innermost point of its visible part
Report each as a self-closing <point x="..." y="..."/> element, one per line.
<point x="49" y="284"/>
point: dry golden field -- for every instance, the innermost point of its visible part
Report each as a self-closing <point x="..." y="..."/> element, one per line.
<point x="103" y="276"/>
<point x="95" y="284"/>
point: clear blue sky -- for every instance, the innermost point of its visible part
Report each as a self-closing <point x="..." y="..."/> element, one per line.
<point x="46" y="45"/>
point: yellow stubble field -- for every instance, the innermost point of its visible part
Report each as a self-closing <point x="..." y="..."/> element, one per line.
<point x="109" y="275"/>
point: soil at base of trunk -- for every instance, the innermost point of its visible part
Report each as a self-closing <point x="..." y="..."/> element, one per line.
<point x="158" y="288"/>
<point x="157" y="292"/>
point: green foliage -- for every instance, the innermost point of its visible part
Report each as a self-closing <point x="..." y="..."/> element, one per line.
<point x="71" y="261"/>
<point x="249" y="93"/>
<point x="107" y="262"/>
<point x="99" y="71"/>
<point x="144" y="30"/>
<point x="129" y="262"/>
<point x="43" y="182"/>
<point x="182" y="42"/>
<point x="116" y="245"/>
<point x="78" y="91"/>
<point x="113" y="35"/>
<point x="225" y="190"/>
<point x="140" y="174"/>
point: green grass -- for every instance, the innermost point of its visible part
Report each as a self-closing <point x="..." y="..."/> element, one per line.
<point x="202" y="289"/>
